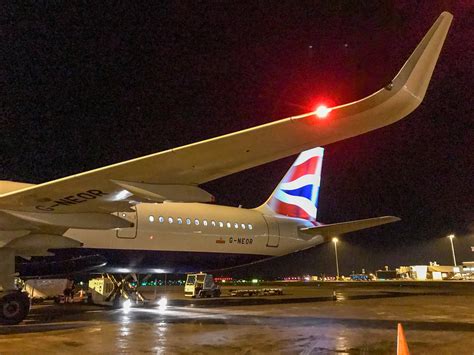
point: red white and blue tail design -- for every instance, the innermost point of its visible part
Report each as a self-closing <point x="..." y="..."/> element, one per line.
<point x="297" y="194"/>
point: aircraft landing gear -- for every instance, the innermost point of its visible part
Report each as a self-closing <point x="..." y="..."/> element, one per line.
<point x="14" y="307"/>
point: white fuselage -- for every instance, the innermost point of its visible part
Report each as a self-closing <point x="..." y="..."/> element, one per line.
<point x="200" y="229"/>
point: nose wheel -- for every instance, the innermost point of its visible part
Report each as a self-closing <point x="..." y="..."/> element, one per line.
<point x="14" y="307"/>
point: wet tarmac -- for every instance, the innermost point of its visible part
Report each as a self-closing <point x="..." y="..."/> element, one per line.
<point x="306" y="320"/>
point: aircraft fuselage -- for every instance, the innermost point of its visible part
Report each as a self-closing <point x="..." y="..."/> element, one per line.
<point x="185" y="237"/>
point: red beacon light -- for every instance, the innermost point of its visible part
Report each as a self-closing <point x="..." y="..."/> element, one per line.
<point x="322" y="112"/>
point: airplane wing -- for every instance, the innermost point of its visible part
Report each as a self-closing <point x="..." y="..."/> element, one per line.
<point x="333" y="230"/>
<point x="176" y="173"/>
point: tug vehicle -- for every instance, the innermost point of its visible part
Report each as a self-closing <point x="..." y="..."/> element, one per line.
<point x="201" y="285"/>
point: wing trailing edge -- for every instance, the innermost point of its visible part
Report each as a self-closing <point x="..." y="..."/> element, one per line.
<point x="38" y="244"/>
<point x="71" y="220"/>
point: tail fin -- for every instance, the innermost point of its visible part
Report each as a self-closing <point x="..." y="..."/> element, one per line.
<point x="297" y="194"/>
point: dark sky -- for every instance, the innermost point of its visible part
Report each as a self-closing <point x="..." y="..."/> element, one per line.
<point x="88" y="85"/>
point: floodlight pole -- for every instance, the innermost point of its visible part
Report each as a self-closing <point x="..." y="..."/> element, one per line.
<point x="451" y="237"/>
<point x="335" y="240"/>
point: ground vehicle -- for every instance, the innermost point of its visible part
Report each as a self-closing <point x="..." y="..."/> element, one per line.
<point x="42" y="289"/>
<point x="201" y="285"/>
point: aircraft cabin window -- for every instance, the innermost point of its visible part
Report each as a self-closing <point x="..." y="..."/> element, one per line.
<point x="243" y="226"/>
<point x="151" y="219"/>
<point x="188" y="221"/>
<point x="228" y="225"/>
<point x="196" y="221"/>
<point x="170" y="220"/>
<point x="236" y="225"/>
<point x="213" y="223"/>
<point x="250" y="227"/>
<point x="161" y="219"/>
<point x="180" y="220"/>
<point x="221" y="224"/>
<point x="204" y="223"/>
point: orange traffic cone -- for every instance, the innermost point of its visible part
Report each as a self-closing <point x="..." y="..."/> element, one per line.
<point x="402" y="346"/>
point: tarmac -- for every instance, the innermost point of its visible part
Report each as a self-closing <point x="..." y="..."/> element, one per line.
<point x="315" y="318"/>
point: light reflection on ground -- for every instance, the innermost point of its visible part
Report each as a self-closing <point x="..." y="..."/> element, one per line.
<point x="441" y="323"/>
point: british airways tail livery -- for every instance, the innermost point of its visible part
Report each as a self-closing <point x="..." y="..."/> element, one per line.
<point x="298" y="192"/>
<point x="149" y="214"/>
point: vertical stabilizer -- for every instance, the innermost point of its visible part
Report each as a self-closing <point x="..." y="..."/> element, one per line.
<point x="297" y="194"/>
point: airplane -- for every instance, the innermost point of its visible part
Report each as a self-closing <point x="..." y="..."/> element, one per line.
<point x="150" y="215"/>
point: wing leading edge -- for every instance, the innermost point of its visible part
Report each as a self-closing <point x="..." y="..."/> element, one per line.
<point x="193" y="164"/>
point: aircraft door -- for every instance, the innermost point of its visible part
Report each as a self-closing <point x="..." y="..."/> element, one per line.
<point x="128" y="233"/>
<point x="273" y="232"/>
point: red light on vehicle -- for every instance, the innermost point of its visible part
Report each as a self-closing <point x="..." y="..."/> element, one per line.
<point x="322" y="112"/>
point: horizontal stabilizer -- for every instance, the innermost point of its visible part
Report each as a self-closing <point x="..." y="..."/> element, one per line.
<point x="333" y="230"/>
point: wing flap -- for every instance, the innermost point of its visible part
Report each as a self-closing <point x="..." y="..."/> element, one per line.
<point x="161" y="193"/>
<point x="37" y="244"/>
<point x="72" y="220"/>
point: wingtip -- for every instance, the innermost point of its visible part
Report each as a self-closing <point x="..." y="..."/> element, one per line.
<point x="446" y="13"/>
<point x="416" y="73"/>
<point x="390" y="219"/>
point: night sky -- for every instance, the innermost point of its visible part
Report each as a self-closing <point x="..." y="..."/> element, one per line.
<point x="88" y="85"/>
